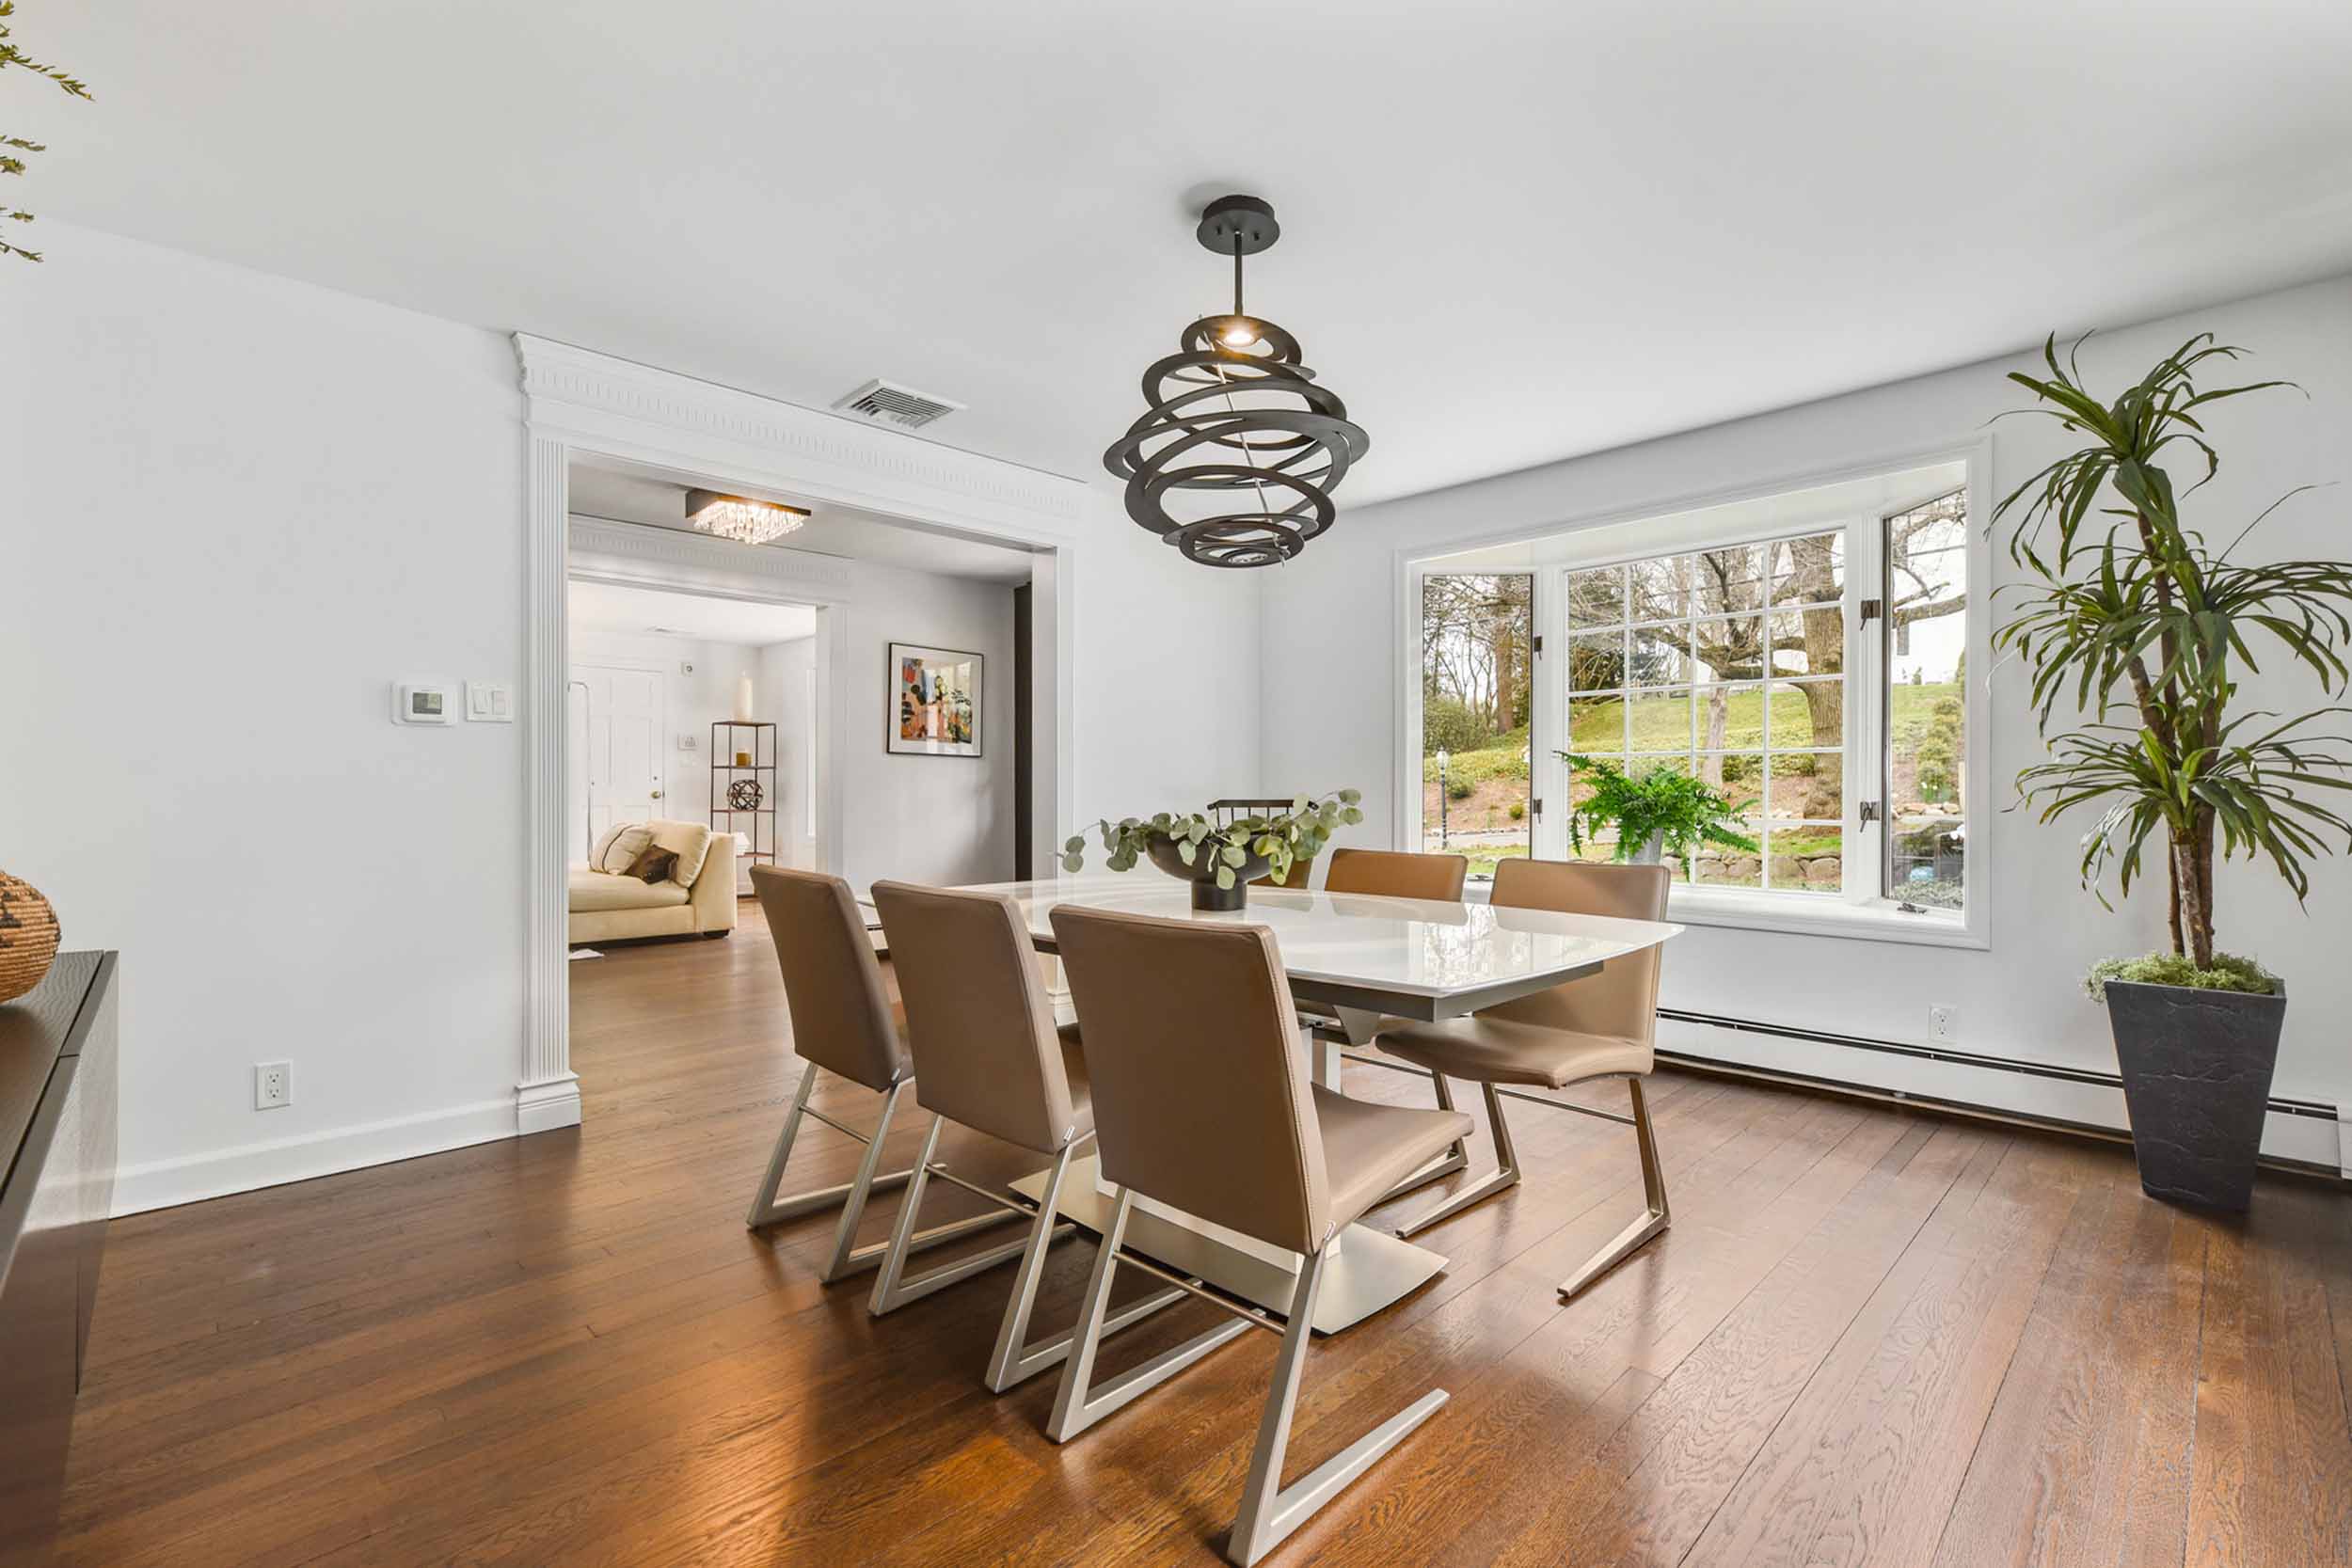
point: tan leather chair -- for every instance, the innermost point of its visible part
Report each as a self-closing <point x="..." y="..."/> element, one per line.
<point x="1400" y="874"/>
<point x="841" y="1022"/>
<point x="1202" y="1101"/>
<point x="1601" y="1026"/>
<point x="982" y="1035"/>
<point x="1397" y="874"/>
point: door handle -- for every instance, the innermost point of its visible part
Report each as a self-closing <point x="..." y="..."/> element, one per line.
<point x="655" y="796"/>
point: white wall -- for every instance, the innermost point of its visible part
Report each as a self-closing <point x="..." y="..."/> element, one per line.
<point x="925" y="819"/>
<point x="236" y="510"/>
<point x="786" y="669"/>
<point x="1330" y="630"/>
<point x="1168" y="678"/>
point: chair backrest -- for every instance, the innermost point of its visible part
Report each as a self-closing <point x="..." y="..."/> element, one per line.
<point x="978" y="1023"/>
<point x="1620" y="1001"/>
<point x="1397" y="873"/>
<point x="832" y="983"/>
<point x="1199" y="1082"/>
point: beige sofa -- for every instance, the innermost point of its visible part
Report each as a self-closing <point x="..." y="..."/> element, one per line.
<point x="608" y="907"/>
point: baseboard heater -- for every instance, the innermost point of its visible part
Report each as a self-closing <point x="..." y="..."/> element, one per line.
<point x="2306" y="1110"/>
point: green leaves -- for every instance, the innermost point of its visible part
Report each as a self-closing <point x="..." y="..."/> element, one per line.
<point x="2159" y="626"/>
<point x="11" y="55"/>
<point x="1222" y="847"/>
<point x="1682" y="809"/>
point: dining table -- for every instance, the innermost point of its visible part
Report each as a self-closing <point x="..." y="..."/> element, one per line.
<point x="1353" y="960"/>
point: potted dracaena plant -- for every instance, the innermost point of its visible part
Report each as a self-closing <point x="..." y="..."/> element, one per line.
<point x="1221" y="851"/>
<point x="1664" y="812"/>
<point x="2129" y="613"/>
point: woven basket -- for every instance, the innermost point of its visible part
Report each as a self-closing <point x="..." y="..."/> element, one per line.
<point x="28" y="936"/>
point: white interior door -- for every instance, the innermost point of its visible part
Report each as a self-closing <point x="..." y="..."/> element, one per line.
<point x="623" y="730"/>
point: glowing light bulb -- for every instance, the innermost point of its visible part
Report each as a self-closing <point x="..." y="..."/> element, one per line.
<point x="1240" y="335"/>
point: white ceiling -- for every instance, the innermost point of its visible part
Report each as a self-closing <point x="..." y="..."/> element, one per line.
<point x="625" y="495"/>
<point x="1513" y="232"/>
<point x="608" y="608"/>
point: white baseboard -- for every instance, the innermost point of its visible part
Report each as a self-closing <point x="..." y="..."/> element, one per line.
<point x="546" y="1106"/>
<point x="2321" y="1140"/>
<point x="191" y="1179"/>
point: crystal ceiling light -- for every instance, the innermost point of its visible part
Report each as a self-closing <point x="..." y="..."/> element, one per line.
<point x="741" y="518"/>
<point x="1237" y="424"/>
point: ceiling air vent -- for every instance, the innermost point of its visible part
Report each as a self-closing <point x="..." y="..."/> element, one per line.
<point x="887" y="403"/>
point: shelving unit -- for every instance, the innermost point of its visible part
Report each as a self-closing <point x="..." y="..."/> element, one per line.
<point x="727" y="818"/>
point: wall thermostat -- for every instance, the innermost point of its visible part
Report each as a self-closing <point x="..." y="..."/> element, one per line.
<point x="414" y="704"/>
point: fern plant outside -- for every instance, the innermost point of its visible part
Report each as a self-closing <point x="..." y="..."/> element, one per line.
<point x="1680" y="811"/>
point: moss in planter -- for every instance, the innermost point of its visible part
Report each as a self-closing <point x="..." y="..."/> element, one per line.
<point x="2228" y="973"/>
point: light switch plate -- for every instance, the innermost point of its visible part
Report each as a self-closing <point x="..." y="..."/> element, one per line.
<point x="489" y="703"/>
<point x="688" y="740"/>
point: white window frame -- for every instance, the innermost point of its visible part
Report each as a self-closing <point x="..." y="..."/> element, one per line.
<point x="1860" y="908"/>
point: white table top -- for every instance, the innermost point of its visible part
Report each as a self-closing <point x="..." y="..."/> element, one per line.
<point x="1374" y="951"/>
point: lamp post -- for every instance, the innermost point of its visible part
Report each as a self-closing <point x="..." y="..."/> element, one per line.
<point x="1443" y="758"/>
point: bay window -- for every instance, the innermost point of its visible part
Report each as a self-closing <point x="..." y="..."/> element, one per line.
<point x="1804" y="656"/>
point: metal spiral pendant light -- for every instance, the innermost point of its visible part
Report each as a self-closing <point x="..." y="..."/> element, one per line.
<point x="1236" y="460"/>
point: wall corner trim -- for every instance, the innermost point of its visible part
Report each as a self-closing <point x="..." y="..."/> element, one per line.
<point x="543" y="1107"/>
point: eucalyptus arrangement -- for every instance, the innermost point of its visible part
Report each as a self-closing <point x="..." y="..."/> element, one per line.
<point x="2127" y="611"/>
<point x="1660" y="811"/>
<point x="1224" y="850"/>
<point x="12" y="148"/>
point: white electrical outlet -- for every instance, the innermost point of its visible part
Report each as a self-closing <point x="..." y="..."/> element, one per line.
<point x="273" y="1084"/>
<point x="1943" y="1024"/>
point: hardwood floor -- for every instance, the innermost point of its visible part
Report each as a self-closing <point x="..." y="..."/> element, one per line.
<point x="1870" y="1337"/>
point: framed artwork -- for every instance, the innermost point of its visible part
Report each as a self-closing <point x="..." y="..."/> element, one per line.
<point x="934" y="702"/>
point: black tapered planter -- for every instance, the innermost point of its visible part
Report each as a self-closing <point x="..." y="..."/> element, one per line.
<point x="2197" y="1066"/>
<point x="1201" y="874"/>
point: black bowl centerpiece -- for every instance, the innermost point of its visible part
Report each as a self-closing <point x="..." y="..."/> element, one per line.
<point x="1221" y="851"/>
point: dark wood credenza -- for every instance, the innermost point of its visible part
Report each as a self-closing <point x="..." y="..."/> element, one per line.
<point x="57" y="1101"/>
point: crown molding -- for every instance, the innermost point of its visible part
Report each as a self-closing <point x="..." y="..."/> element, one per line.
<point x="816" y="452"/>
<point x="703" y="558"/>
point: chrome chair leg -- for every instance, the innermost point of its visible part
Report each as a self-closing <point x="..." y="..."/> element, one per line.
<point x="1653" y="1221"/>
<point x="1503" y="1176"/>
<point x="1014" y="1361"/>
<point x="891" y="1291"/>
<point x="768" y="1209"/>
<point x="861" y="1185"/>
<point x="1269" y="1511"/>
<point x="1077" y="1404"/>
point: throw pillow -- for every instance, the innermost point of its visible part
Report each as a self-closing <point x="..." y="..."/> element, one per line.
<point x="691" y="840"/>
<point x="621" y="844"/>
<point x="653" y="864"/>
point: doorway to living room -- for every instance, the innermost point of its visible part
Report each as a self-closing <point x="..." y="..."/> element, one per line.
<point x="843" y="697"/>
<point x="693" y="717"/>
<point x="907" y="550"/>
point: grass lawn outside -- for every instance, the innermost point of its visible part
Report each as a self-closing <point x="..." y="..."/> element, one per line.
<point x="1484" y="786"/>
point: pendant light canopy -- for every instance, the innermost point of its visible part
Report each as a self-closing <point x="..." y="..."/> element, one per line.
<point x="1236" y="460"/>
